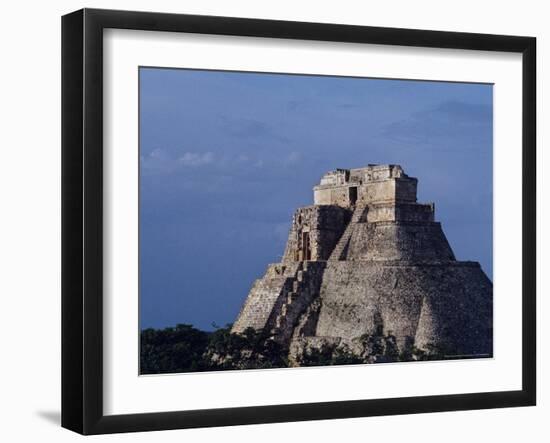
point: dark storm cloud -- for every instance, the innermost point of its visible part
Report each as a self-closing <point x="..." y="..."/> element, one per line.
<point x="471" y="122"/>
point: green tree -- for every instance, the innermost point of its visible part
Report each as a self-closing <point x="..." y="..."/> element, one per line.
<point x="177" y="349"/>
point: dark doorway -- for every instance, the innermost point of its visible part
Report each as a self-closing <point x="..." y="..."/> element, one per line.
<point x="352" y="195"/>
<point x="306" y="248"/>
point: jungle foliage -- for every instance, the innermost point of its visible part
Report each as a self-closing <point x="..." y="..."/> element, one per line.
<point x="184" y="348"/>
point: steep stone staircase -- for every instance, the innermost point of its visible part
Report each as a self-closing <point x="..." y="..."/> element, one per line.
<point x="340" y="248"/>
<point x="264" y="297"/>
<point x="302" y="290"/>
<point x="288" y="314"/>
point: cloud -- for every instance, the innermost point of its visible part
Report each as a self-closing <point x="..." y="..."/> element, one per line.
<point x="157" y="153"/>
<point x="249" y="128"/>
<point x="293" y="158"/>
<point x="155" y="161"/>
<point x="212" y="165"/>
<point x="162" y="161"/>
<point x="295" y="105"/>
<point x="465" y="112"/>
<point x="194" y="159"/>
<point x="449" y="120"/>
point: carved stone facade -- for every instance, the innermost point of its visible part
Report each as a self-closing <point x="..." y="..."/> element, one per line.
<point x="365" y="258"/>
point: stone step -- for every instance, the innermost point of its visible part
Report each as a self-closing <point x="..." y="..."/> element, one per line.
<point x="357" y="214"/>
<point x="344" y="239"/>
<point x="293" y="289"/>
<point x="280" y="322"/>
<point x="291" y="297"/>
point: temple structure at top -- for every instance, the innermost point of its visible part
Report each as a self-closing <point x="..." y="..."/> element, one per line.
<point x="384" y="184"/>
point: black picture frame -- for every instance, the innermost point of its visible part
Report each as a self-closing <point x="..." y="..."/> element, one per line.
<point x="82" y="218"/>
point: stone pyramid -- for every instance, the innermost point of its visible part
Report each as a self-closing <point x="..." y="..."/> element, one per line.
<point x="367" y="259"/>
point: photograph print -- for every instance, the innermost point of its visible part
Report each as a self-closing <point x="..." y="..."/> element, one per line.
<point x="290" y="220"/>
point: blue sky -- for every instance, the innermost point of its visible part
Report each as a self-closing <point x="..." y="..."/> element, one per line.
<point x="226" y="158"/>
